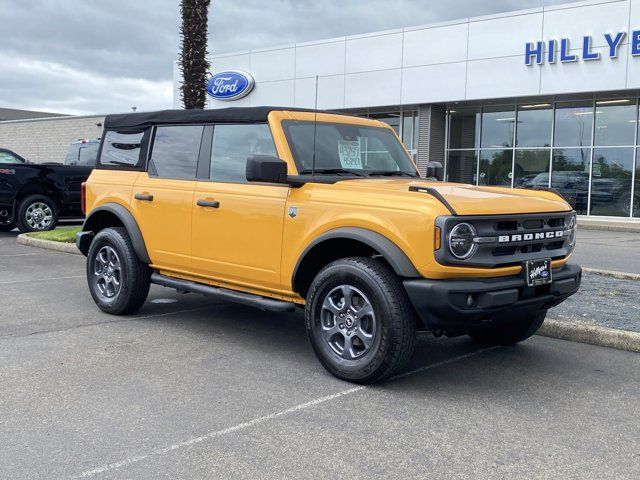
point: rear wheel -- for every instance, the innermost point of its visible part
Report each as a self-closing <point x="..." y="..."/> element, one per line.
<point x="37" y="213"/>
<point x="359" y="320"/>
<point x="118" y="280"/>
<point x="510" y="333"/>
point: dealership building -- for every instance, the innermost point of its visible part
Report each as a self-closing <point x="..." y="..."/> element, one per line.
<point x="546" y="97"/>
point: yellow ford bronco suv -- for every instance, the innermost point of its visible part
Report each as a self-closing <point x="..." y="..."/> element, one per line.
<point x="278" y="208"/>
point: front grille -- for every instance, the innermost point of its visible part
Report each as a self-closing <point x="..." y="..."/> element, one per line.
<point x="506" y="240"/>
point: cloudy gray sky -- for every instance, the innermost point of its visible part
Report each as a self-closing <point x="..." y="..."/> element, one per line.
<point x="102" y="56"/>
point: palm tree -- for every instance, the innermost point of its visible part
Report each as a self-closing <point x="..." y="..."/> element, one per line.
<point x="193" y="58"/>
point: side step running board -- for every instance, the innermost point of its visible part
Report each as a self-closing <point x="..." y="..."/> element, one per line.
<point x="262" y="303"/>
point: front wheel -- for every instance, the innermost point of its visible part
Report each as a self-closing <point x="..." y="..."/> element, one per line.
<point x="118" y="280"/>
<point x="37" y="213"/>
<point x="6" y="227"/>
<point x="359" y="320"/>
<point x="511" y="333"/>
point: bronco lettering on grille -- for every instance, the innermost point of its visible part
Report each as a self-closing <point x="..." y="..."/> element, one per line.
<point x="530" y="237"/>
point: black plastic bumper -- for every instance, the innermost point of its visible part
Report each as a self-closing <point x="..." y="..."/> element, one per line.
<point x="444" y="304"/>
<point x="83" y="241"/>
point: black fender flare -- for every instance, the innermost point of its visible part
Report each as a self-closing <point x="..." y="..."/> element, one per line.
<point x="129" y="222"/>
<point x="393" y="254"/>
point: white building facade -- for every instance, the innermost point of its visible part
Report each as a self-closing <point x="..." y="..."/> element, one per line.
<point x="546" y="97"/>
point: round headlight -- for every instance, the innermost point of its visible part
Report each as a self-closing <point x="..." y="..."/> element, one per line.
<point x="461" y="242"/>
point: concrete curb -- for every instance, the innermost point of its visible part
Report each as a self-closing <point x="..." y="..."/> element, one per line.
<point x="610" y="228"/>
<point x="581" y="332"/>
<point x="25" y="239"/>
<point x="610" y="224"/>
<point x="613" y="274"/>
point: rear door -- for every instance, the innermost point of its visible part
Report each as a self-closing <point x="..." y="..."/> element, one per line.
<point x="237" y="226"/>
<point x="163" y="196"/>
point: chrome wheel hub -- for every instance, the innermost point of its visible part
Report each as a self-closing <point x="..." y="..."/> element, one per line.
<point x="107" y="275"/>
<point x="39" y="216"/>
<point x="347" y="322"/>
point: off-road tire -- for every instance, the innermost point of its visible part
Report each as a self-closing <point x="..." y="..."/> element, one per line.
<point x="21" y="221"/>
<point x="394" y="318"/>
<point x="6" y="227"/>
<point x="134" y="276"/>
<point x="510" y="333"/>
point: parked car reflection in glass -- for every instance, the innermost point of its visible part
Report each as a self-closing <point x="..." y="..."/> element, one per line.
<point x="572" y="185"/>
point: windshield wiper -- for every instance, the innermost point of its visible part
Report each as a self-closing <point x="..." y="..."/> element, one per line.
<point x="391" y="173"/>
<point x="330" y="171"/>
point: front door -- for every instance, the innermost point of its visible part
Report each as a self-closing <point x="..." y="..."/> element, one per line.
<point x="163" y="196"/>
<point x="237" y="226"/>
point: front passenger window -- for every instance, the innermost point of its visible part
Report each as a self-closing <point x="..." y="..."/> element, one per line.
<point x="232" y="144"/>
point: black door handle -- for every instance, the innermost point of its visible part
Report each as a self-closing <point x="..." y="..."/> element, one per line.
<point x="145" y="197"/>
<point x="208" y="203"/>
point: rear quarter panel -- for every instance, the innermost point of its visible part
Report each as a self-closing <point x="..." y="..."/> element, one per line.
<point x="110" y="186"/>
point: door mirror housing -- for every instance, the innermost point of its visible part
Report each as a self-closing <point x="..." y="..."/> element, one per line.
<point x="267" y="169"/>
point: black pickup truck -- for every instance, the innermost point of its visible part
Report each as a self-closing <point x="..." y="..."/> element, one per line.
<point x="33" y="197"/>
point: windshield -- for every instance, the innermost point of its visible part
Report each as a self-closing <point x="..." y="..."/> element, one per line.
<point x="347" y="149"/>
<point x="6" y="157"/>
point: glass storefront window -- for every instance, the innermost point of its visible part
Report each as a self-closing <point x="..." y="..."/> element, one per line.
<point x="410" y="131"/>
<point x="498" y="124"/>
<point x="464" y="128"/>
<point x="611" y="182"/>
<point x="532" y="168"/>
<point x="534" y="125"/>
<point x="573" y="124"/>
<point x="495" y="167"/>
<point x="570" y="176"/>
<point x="462" y="166"/>
<point x="636" y="194"/>
<point x="583" y="148"/>
<point x="392" y="119"/>
<point x="615" y="122"/>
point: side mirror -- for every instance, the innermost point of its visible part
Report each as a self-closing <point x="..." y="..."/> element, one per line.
<point x="434" y="170"/>
<point x="265" y="168"/>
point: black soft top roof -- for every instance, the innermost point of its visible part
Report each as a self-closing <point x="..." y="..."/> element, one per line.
<point x="226" y="115"/>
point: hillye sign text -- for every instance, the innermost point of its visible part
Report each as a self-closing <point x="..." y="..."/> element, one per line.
<point x="552" y="51"/>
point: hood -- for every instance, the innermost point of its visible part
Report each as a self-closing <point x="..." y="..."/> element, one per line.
<point x="471" y="200"/>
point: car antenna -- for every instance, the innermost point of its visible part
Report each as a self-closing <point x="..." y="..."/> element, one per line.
<point x="315" y="131"/>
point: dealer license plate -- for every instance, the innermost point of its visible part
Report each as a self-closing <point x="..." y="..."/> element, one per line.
<point x="538" y="272"/>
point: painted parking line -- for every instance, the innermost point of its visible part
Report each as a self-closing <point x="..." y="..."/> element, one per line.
<point x="42" y="279"/>
<point x="23" y="254"/>
<point x="258" y="420"/>
<point x="119" y="319"/>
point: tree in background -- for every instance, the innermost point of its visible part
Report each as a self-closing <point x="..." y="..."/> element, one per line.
<point x="193" y="58"/>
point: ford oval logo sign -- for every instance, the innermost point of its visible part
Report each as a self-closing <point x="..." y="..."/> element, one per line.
<point x="230" y="85"/>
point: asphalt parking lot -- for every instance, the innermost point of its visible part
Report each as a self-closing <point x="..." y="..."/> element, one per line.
<point x="193" y="388"/>
<point x="608" y="250"/>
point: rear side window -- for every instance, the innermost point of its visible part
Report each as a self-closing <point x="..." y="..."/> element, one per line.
<point x="82" y="154"/>
<point x="175" y="151"/>
<point x="72" y="155"/>
<point x="88" y="154"/>
<point x="232" y="144"/>
<point x="122" y="148"/>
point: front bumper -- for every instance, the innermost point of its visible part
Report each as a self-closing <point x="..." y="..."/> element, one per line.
<point x="442" y="304"/>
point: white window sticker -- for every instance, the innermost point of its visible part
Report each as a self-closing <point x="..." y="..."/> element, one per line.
<point x="349" y="152"/>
